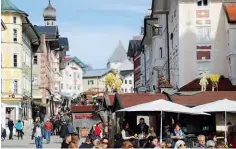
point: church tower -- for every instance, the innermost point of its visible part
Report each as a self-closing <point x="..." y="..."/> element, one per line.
<point x="49" y="15"/>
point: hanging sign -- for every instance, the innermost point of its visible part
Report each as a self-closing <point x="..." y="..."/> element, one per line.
<point x="84" y="116"/>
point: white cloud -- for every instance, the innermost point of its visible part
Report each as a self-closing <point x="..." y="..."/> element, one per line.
<point x="94" y="45"/>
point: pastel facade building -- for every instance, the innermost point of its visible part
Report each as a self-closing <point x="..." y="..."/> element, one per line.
<point x="47" y="64"/>
<point x="19" y="41"/>
<point x="72" y="77"/>
<point x="184" y="38"/>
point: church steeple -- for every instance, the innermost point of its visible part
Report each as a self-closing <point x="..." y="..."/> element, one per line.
<point x="49" y="15"/>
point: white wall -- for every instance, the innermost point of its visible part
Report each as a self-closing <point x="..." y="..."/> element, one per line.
<point x="232" y="54"/>
<point x="189" y="66"/>
<point x="72" y="80"/>
<point x="129" y="86"/>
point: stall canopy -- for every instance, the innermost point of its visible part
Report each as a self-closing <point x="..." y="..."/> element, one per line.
<point x="223" y="105"/>
<point x="163" y="106"/>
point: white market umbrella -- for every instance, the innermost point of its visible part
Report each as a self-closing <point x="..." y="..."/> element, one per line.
<point x="223" y="105"/>
<point x="162" y="106"/>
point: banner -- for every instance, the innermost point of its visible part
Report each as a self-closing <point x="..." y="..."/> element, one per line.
<point x="84" y="116"/>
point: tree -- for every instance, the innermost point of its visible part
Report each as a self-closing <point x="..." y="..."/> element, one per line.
<point x="214" y="79"/>
<point x="110" y="81"/>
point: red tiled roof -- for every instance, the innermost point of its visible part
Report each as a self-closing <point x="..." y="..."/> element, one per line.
<point x="67" y="59"/>
<point x="82" y="108"/>
<point x="231" y="12"/>
<point x="203" y="97"/>
<point x="128" y="100"/>
<point x="223" y="85"/>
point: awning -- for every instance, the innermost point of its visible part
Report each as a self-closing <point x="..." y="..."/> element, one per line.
<point x="40" y="104"/>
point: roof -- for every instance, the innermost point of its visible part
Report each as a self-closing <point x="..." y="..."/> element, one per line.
<point x="223" y="85"/>
<point x="49" y="12"/>
<point x="63" y="41"/>
<point x="50" y="31"/>
<point x="203" y="97"/>
<point x="8" y="6"/>
<point x="126" y="72"/>
<point x="230" y="9"/>
<point x="82" y="108"/>
<point x="134" y="47"/>
<point x="76" y="60"/>
<point x="96" y="73"/>
<point x="132" y="99"/>
<point x="119" y="54"/>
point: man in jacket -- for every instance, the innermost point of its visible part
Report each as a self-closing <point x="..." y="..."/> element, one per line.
<point x="48" y="130"/>
<point x="142" y="127"/>
<point x="38" y="134"/>
<point x="10" y="126"/>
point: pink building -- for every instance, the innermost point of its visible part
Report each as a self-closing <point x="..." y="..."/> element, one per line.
<point x="47" y="64"/>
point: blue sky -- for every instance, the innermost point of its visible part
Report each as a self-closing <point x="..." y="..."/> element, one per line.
<point x="93" y="27"/>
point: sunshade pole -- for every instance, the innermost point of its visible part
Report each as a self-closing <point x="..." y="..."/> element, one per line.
<point x="225" y="127"/>
<point x="161" y="129"/>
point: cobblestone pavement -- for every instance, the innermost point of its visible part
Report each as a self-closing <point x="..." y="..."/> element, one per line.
<point x="28" y="143"/>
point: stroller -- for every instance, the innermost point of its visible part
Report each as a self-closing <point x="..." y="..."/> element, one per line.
<point x="4" y="134"/>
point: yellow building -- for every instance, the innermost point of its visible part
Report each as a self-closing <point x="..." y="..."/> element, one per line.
<point x="19" y="41"/>
<point x="95" y="79"/>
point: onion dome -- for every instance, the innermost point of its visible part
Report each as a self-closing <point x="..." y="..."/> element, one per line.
<point x="49" y="12"/>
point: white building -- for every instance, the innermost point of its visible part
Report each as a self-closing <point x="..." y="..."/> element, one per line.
<point x="128" y="83"/>
<point x="119" y="60"/>
<point x="72" y="76"/>
<point x="183" y="38"/>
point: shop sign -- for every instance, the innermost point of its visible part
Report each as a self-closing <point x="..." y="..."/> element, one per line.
<point x="84" y="116"/>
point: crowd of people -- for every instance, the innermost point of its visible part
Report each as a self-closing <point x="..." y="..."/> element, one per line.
<point x="145" y="137"/>
<point x="175" y="139"/>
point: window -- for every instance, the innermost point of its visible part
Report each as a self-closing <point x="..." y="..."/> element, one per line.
<point x="74" y="75"/>
<point x="125" y="81"/>
<point x="74" y="87"/>
<point x="15" y="60"/>
<point x="62" y="86"/>
<point x="78" y="87"/>
<point x="160" y="53"/>
<point x="126" y="90"/>
<point x="52" y="23"/>
<point x="78" y="76"/>
<point x="15" y="35"/>
<point x="122" y="90"/>
<point x="203" y="35"/>
<point x="47" y="23"/>
<point x="172" y="40"/>
<point x="90" y="82"/>
<point x="130" y="81"/>
<point x="15" y="86"/>
<point x="35" y="59"/>
<point x="174" y="13"/>
<point x="202" y="2"/>
<point x="14" y="20"/>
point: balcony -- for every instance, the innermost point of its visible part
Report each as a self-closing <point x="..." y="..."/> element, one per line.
<point x="157" y="31"/>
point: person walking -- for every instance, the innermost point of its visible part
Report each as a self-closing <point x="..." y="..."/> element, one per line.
<point x="64" y="130"/>
<point x="19" y="127"/>
<point x="48" y="130"/>
<point x="38" y="134"/>
<point x="10" y="126"/>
